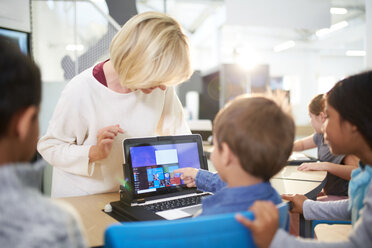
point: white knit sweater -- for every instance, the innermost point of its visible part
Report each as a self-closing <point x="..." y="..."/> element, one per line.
<point x="85" y="106"/>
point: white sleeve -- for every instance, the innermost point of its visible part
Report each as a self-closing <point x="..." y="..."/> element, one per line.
<point x="360" y="236"/>
<point x="172" y="120"/>
<point x="330" y="210"/>
<point x="62" y="145"/>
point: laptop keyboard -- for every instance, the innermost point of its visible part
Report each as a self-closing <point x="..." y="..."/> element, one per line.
<point x="177" y="203"/>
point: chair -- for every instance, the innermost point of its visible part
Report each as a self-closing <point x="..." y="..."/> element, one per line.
<point x="329" y="222"/>
<point x="283" y="209"/>
<point x="206" y="231"/>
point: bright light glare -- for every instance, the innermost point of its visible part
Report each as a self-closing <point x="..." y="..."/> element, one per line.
<point x="334" y="27"/>
<point x="338" y="11"/>
<point x="284" y="46"/>
<point x="74" y="47"/>
<point x="325" y="83"/>
<point x="247" y="58"/>
<point x="339" y="25"/>
<point x="356" y="53"/>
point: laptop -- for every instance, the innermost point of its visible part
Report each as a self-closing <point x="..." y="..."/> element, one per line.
<point x="152" y="190"/>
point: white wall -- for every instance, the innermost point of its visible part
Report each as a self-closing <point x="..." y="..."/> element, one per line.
<point x="308" y="67"/>
<point x="15" y="14"/>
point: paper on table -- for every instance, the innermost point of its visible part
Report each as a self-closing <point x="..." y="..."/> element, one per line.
<point x="298" y="156"/>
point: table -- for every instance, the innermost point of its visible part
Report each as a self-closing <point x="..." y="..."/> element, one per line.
<point x="284" y="186"/>
<point x="95" y="221"/>
<point x="332" y="233"/>
<point x="309" y="183"/>
<point x="290" y="172"/>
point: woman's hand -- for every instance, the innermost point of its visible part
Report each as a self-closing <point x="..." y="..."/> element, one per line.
<point x="321" y="166"/>
<point x="188" y="175"/>
<point x="297" y="201"/>
<point x="105" y="139"/>
<point x="265" y="223"/>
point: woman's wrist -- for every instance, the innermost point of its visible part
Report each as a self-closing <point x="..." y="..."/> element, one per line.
<point x="93" y="154"/>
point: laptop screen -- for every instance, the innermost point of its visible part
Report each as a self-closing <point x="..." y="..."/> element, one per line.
<point x="152" y="162"/>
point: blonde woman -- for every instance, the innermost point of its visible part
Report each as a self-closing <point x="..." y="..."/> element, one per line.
<point x="129" y="95"/>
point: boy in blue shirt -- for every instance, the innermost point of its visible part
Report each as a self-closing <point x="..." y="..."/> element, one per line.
<point x="253" y="138"/>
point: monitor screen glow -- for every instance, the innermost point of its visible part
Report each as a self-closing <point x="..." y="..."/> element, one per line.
<point x="19" y="38"/>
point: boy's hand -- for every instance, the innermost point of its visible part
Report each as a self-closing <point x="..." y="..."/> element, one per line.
<point x="188" y="175"/>
<point x="265" y="223"/>
<point x="298" y="202"/>
<point x="105" y="139"/>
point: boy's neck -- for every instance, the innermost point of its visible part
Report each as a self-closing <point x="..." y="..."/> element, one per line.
<point x="8" y="152"/>
<point x="240" y="178"/>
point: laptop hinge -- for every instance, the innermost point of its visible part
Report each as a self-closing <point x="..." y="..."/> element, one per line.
<point x="142" y="200"/>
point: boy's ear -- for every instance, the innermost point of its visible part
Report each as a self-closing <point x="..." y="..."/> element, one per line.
<point x="25" y="119"/>
<point x="226" y="154"/>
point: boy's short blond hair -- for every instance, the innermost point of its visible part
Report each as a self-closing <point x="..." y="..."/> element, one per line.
<point x="151" y="50"/>
<point x="258" y="132"/>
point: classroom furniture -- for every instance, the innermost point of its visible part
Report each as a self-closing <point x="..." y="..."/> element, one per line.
<point x="309" y="183"/>
<point x="315" y="223"/>
<point x="292" y="173"/>
<point x="285" y="186"/>
<point x="332" y="233"/>
<point x="207" y="231"/>
<point x="95" y="221"/>
<point x="297" y="158"/>
<point x="208" y="148"/>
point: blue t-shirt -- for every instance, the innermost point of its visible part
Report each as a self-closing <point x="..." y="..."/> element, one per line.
<point x="229" y="200"/>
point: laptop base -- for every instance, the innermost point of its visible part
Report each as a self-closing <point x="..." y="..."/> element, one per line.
<point x="128" y="213"/>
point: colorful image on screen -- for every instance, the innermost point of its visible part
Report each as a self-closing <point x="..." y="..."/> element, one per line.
<point x="154" y="166"/>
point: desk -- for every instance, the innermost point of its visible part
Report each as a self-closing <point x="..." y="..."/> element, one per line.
<point x="284" y="186"/>
<point x="332" y="233"/>
<point x="291" y="181"/>
<point x="290" y="172"/>
<point x="95" y="221"/>
<point x="207" y="148"/>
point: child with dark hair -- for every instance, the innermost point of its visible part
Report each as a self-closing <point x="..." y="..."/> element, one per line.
<point x="338" y="167"/>
<point x="27" y="219"/>
<point x="253" y="138"/>
<point x="348" y="131"/>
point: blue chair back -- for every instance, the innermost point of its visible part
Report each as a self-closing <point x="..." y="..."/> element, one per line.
<point x="206" y="231"/>
<point x="283" y="209"/>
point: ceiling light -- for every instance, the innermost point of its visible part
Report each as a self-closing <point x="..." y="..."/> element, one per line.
<point x="334" y="27"/>
<point x="356" y="53"/>
<point x="339" y="25"/>
<point x="338" y="11"/>
<point x="284" y="46"/>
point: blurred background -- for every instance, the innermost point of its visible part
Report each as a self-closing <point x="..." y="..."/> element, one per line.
<point x="299" y="47"/>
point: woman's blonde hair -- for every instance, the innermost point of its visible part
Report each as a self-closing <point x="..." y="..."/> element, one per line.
<point x="151" y="50"/>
